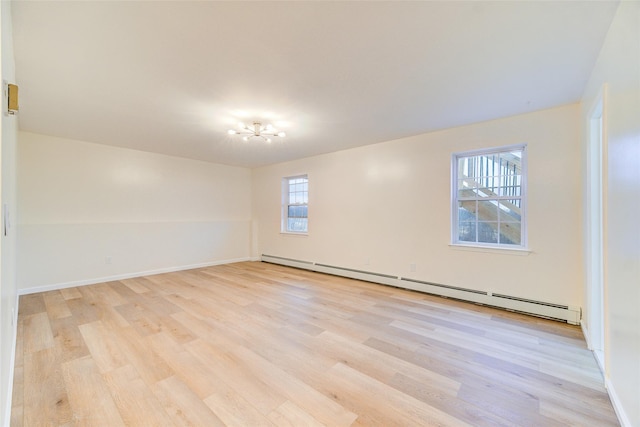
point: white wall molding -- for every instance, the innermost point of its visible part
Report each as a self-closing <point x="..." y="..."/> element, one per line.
<point x="617" y="405"/>
<point x="585" y="332"/>
<point x="615" y="400"/>
<point x="58" y="286"/>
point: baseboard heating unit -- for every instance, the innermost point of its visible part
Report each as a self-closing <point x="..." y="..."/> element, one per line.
<point x="537" y="308"/>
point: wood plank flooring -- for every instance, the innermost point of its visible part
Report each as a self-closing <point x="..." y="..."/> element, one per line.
<point x="255" y="344"/>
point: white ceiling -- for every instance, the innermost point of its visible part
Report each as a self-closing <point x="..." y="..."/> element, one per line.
<point x="172" y="77"/>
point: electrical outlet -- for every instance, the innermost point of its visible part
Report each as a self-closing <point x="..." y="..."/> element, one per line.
<point x="367" y="261"/>
<point x="107" y="260"/>
<point x="412" y="267"/>
<point x="13" y="315"/>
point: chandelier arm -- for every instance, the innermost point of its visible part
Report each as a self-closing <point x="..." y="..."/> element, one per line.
<point x="258" y="130"/>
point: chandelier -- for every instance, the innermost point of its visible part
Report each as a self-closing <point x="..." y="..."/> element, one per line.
<point x="257" y="130"/>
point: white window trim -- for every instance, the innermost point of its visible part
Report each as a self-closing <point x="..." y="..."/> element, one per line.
<point x="455" y="243"/>
<point x="491" y="249"/>
<point x="284" y="215"/>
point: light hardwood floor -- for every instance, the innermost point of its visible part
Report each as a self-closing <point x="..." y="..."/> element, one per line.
<point x="254" y="344"/>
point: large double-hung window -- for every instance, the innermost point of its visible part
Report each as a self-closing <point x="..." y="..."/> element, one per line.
<point x="294" y="209"/>
<point x="489" y="189"/>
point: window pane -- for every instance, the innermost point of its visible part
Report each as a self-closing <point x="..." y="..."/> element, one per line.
<point x="465" y="169"/>
<point x="467" y="231"/>
<point x="511" y="180"/>
<point x="510" y="210"/>
<point x="483" y="192"/>
<point x="511" y="186"/>
<point x="467" y="211"/>
<point x="488" y="232"/>
<point x="489" y="182"/>
<point x="466" y="188"/>
<point x="510" y="233"/>
<point x="487" y="210"/>
<point x="297" y="224"/>
<point x="297" y="211"/>
<point x="511" y="162"/>
<point x="511" y="191"/>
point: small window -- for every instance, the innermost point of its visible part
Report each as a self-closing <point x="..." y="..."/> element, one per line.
<point x="295" y="192"/>
<point x="488" y="203"/>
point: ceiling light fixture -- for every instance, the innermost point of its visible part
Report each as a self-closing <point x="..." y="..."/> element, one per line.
<point x="257" y="130"/>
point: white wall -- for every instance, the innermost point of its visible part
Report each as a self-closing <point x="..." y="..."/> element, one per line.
<point x="619" y="67"/>
<point x="383" y="207"/>
<point x="8" y="291"/>
<point x="90" y="212"/>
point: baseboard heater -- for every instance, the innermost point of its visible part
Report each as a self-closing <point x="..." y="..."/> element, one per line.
<point x="537" y="308"/>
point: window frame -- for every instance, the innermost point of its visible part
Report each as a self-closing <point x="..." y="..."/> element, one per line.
<point x="286" y="194"/>
<point x="455" y="240"/>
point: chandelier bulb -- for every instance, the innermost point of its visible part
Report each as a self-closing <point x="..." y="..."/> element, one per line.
<point x="231" y="132"/>
<point x="282" y="134"/>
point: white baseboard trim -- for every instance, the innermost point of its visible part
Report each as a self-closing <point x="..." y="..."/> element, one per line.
<point x="597" y="355"/>
<point x="617" y="405"/>
<point x="7" y="412"/>
<point x="568" y="314"/>
<point x="585" y="333"/>
<point x="58" y="286"/>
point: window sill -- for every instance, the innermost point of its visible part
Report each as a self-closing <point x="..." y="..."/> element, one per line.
<point x="293" y="233"/>
<point x="491" y="249"/>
